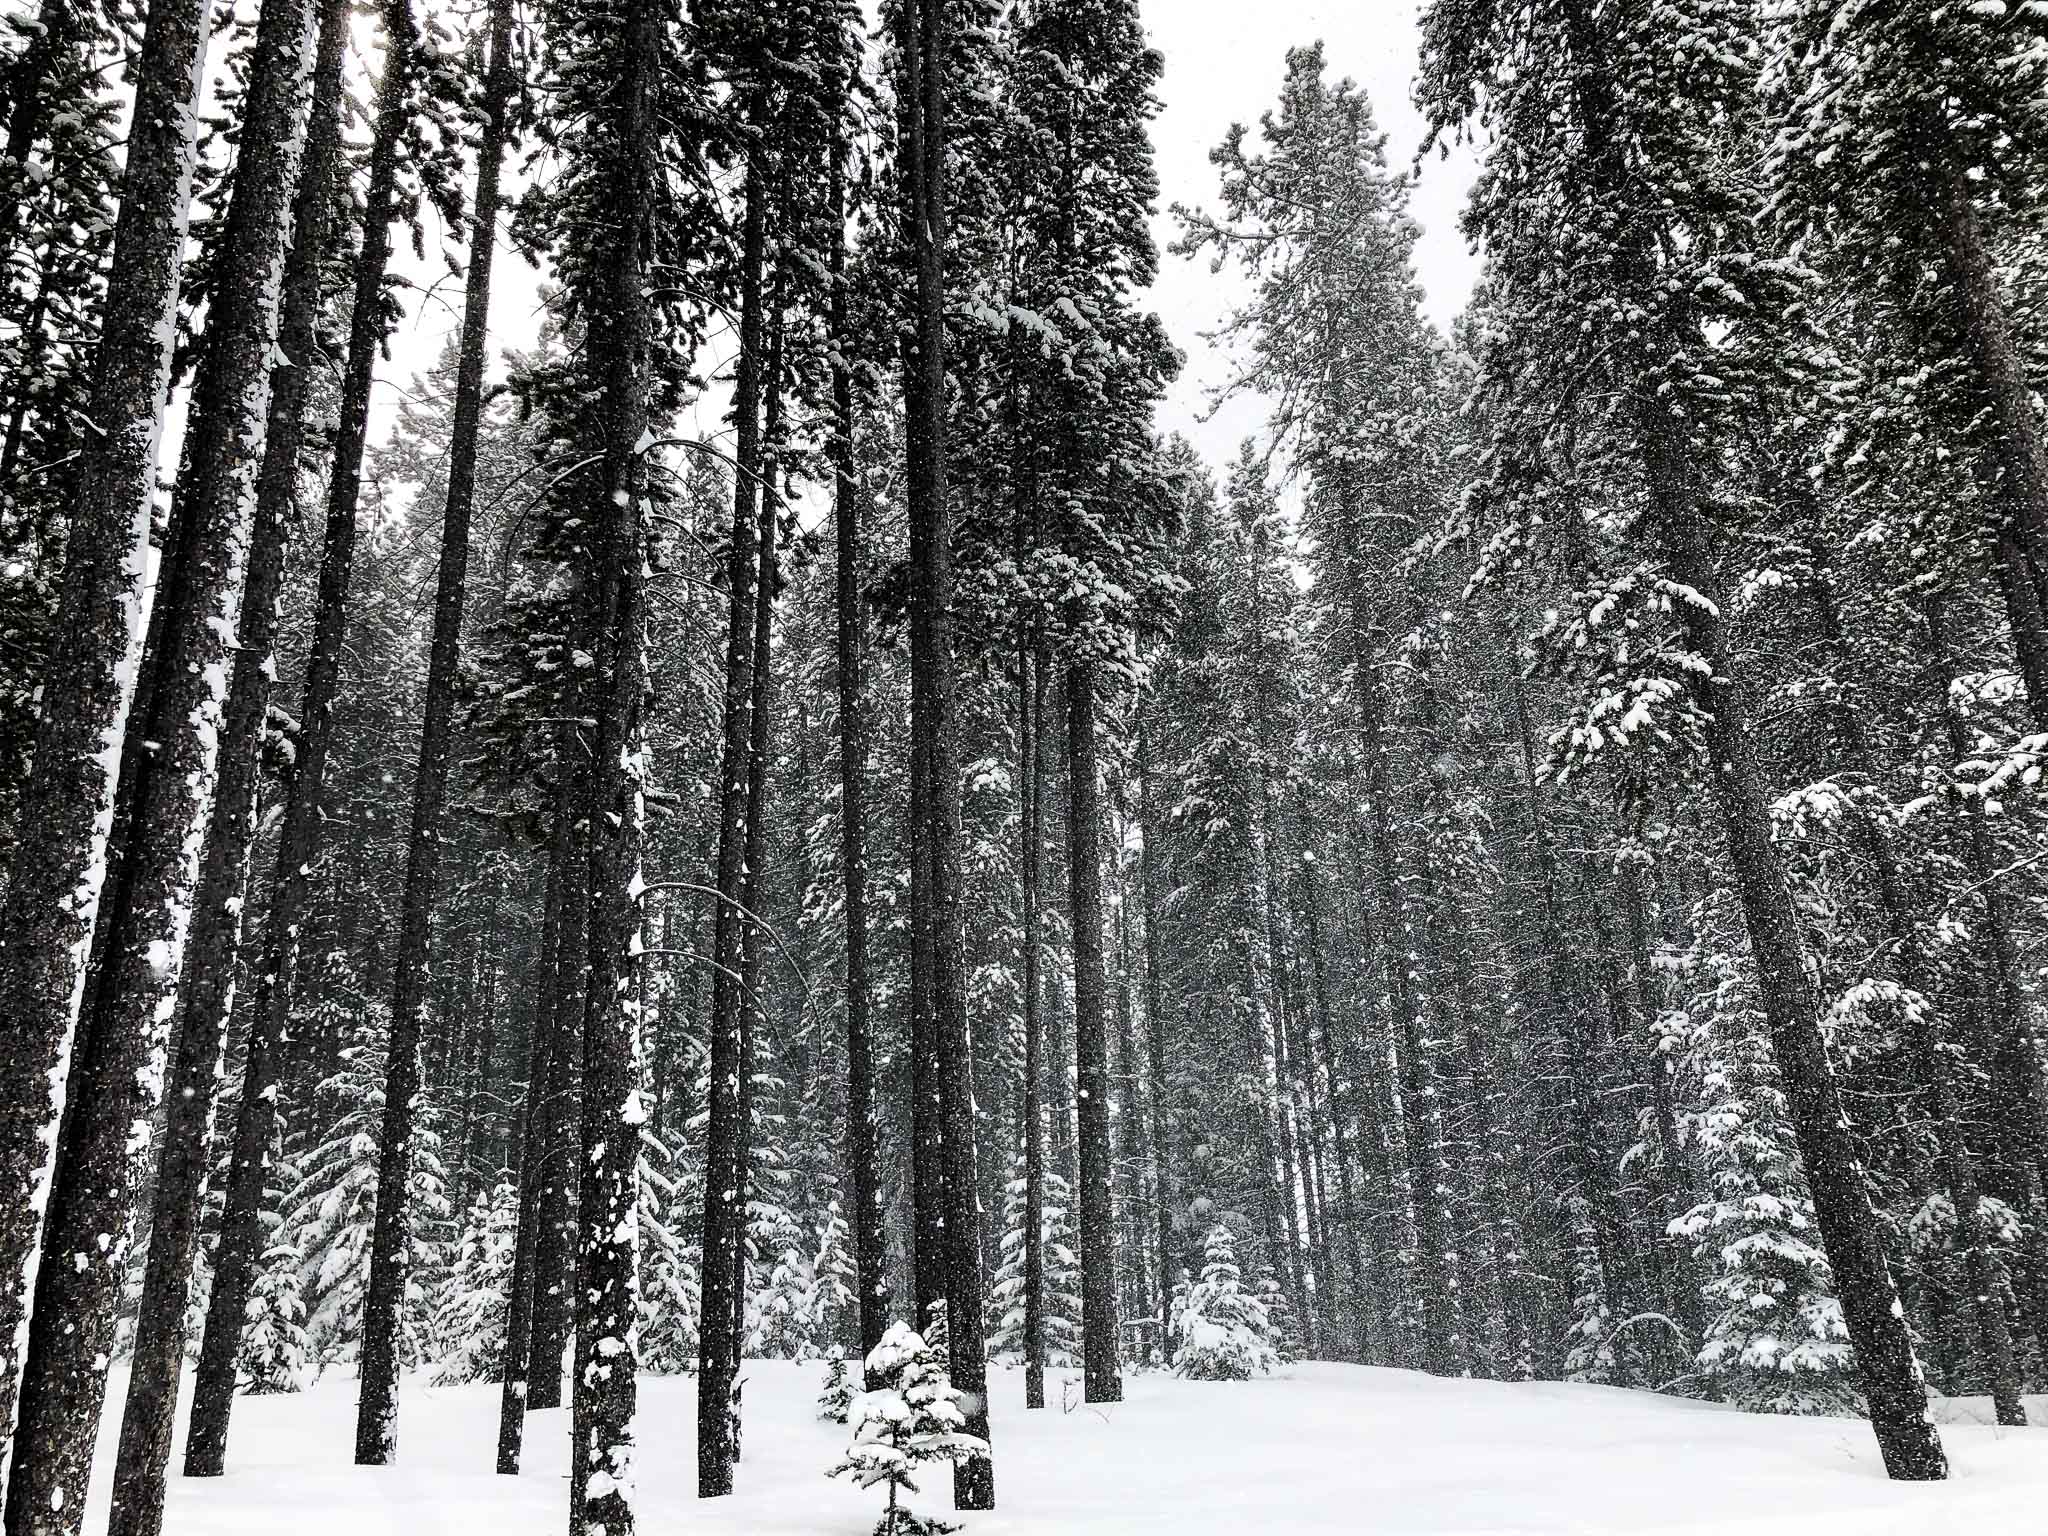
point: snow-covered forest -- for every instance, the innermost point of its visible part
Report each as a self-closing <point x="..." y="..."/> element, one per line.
<point x="1475" y="962"/>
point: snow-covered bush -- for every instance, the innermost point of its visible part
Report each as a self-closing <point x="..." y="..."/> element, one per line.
<point x="1062" y="1278"/>
<point x="274" y="1350"/>
<point x="912" y="1418"/>
<point x="835" y="1398"/>
<point x="1776" y="1340"/>
<point x="1222" y="1331"/>
<point x="470" y="1318"/>
<point x="330" y="1211"/>
<point x="670" y="1273"/>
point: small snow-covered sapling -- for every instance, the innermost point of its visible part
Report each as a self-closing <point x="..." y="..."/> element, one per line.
<point x="835" y="1398"/>
<point x="912" y="1417"/>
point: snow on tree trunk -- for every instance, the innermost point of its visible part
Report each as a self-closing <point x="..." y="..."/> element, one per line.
<point x="54" y="879"/>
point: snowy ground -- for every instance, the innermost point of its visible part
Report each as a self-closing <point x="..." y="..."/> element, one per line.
<point x="1324" y="1448"/>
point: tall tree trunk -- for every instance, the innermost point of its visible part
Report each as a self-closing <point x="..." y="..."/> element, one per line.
<point x="1931" y="1053"/>
<point x="753" y="1017"/>
<point x="207" y="991"/>
<point x="1164" y="1198"/>
<point x="299" y="840"/>
<point x="1031" y="778"/>
<point x="863" y="1149"/>
<point x="54" y="879"/>
<point x="1421" y="1110"/>
<point x="1850" y="1235"/>
<point x="391" y="1235"/>
<point x="120" y="1074"/>
<point x="535" y="1149"/>
<point x="619" y="335"/>
<point x="725" y="1135"/>
<point x="924" y="33"/>
<point x="1101" y="1382"/>
<point x="1322" y="1040"/>
<point x="554" y="1242"/>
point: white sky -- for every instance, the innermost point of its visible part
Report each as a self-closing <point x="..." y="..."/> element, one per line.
<point x="1224" y="62"/>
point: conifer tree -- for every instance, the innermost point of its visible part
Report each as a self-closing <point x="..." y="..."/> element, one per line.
<point x="1222" y="1331"/>
<point x="1647" y="179"/>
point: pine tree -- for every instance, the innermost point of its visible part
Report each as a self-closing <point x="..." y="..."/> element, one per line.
<point x="670" y="1281"/>
<point x="1222" y="1332"/>
<point x="1776" y="1341"/>
<point x="468" y="1328"/>
<point x="376" y="1433"/>
<point x="275" y="1351"/>
<point x="328" y="1213"/>
<point x="1061" y="1301"/>
<point x="913" y="1417"/>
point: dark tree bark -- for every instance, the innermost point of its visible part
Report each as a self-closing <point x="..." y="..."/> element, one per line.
<point x="863" y="1146"/>
<point x="54" y="879"/>
<point x="78" y="1284"/>
<point x="1164" y="1197"/>
<point x="207" y="991"/>
<point x="554" y="1241"/>
<point x="1101" y="1382"/>
<point x="1421" y="1111"/>
<point x="300" y="838"/>
<point x="754" y="854"/>
<point x="619" y="331"/>
<point x="1032" y="765"/>
<point x="533" y="1158"/>
<point x="390" y="1243"/>
<point x="725" y="1134"/>
<point x="923" y="34"/>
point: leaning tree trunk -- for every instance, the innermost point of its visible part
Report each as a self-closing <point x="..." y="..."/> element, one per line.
<point x="119" y="1075"/>
<point x="54" y="880"/>
<point x="1929" y="1050"/>
<point x="390" y="1241"/>
<point x="206" y="994"/>
<point x="924" y="34"/>
<point x="1850" y="1234"/>
<point x="863" y="1148"/>
<point x="300" y="838"/>
<point x="2020" y="449"/>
